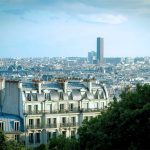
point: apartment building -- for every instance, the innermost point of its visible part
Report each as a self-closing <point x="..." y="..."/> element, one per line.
<point x="49" y="109"/>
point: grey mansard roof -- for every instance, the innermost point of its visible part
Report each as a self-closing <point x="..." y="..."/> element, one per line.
<point x="56" y="91"/>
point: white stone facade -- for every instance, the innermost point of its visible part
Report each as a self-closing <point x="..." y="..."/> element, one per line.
<point x="52" y="108"/>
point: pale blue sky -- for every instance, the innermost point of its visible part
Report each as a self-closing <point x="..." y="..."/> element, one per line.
<point x="39" y="28"/>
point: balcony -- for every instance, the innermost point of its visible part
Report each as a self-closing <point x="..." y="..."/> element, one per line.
<point x="85" y="110"/>
<point x="61" y="111"/>
<point x="75" y="124"/>
<point x="34" y="126"/>
<point x="33" y="112"/>
<point x="51" y="126"/>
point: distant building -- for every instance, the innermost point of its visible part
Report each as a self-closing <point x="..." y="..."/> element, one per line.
<point x="92" y="57"/>
<point x="129" y="60"/>
<point x="100" y="50"/>
<point x="113" y="60"/>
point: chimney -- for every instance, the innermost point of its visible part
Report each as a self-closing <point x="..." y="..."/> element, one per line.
<point x="37" y="84"/>
<point x="20" y="85"/>
<point x="39" y="87"/>
<point x="65" y="86"/>
<point x="2" y="83"/>
<point x="89" y="83"/>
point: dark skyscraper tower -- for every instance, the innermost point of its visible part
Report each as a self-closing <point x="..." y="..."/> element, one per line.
<point x="100" y="50"/>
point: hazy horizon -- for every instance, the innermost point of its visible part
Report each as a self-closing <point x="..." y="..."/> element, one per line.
<point x="62" y="28"/>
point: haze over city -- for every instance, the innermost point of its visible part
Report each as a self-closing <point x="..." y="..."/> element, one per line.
<point x="57" y="28"/>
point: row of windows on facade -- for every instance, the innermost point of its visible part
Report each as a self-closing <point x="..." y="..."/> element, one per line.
<point x="15" y="127"/>
<point x="51" y="121"/>
<point x="62" y="107"/>
<point x="60" y="96"/>
<point x="36" y="137"/>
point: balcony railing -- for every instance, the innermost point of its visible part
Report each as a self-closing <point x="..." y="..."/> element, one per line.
<point x="72" y="124"/>
<point x="75" y="124"/>
<point x="90" y="110"/>
<point x="34" y="126"/>
<point x="51" y="126"/>
<point x="33" y="112"/>
<point x="63" y="111"/>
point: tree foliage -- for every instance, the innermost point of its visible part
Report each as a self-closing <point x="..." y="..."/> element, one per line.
<point x="2" y="141"/>
<point x="41" y="147"/>
<point x="62" y="143"/>
<point x="124" y="126"/>
<point x="9" y="144"/>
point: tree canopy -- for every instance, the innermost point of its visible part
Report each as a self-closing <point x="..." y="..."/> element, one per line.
<point x="124" y="126"/>
<point x="63" y="143"/>
<point x="9" y="144"/>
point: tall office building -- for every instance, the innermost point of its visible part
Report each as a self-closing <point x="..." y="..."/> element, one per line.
<point x="100" y="50"/>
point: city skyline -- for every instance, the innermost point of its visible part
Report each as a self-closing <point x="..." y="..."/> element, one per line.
<point x="30" y="28"/>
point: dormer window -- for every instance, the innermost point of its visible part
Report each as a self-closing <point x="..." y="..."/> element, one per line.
<point x="46" y="95"/>
<point x="28" y="96"/>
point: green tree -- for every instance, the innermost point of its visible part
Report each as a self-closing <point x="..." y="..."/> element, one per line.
<point x="11" y="144"/>
<point x="2" y="141"/>
<point x="62" y="143"/>
<point x="124" y="126"/>
<point x="41" y="147"/>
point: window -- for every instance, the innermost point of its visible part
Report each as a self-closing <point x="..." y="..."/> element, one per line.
<point x="102" y="105"/>
<point x="17" y="137"/>
<point x="61" y="107"/>
<point x="63" y="120"/>
<point x="54" y="134"/>
<point x="38" y="122"/>
<point x="86" y="118"/>
<point x="37" y="137"/>
<point x="46" y="95"/>
<point x="49" y="134"/>
<point x="64" y="133"/>
<point x="71" y="107"/>
<point x="35" y="108"/>
<point x="54" y="120"/>
<point x="48" y="122"/>
<point x="31" y="121"/>
<point x="73" y="120"/>
<point x="97" y="105"/>
<point x="28" y="96"/>
<point x="50" y="107"/>
<point x="72" y="134"/>
<point x="87" y="105"/>
<point x="2" y="126"/>
<point x="29" y="108"/>
<point x="30" y="138"/>
<point x="16" y="125"/>
<point x="61" y="95"/>
<point x="34" y="96"/>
